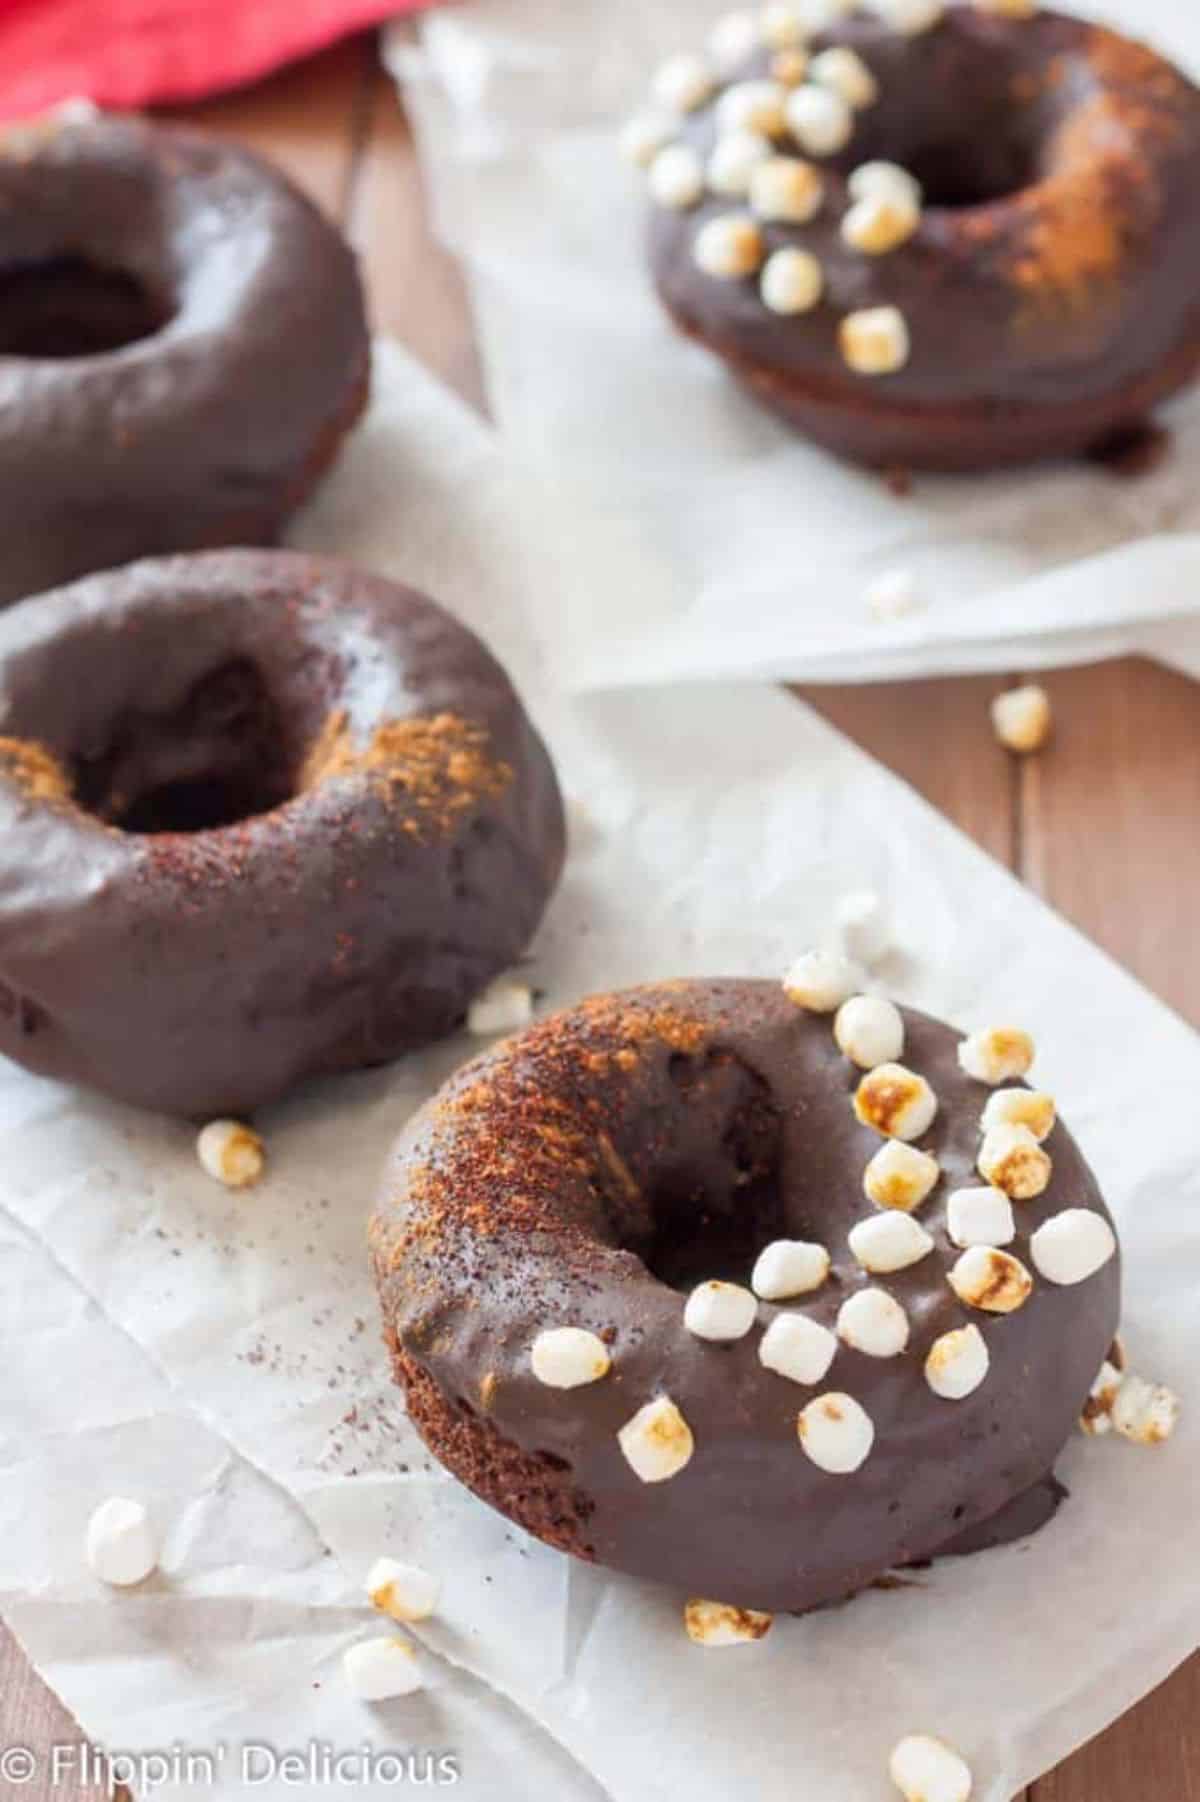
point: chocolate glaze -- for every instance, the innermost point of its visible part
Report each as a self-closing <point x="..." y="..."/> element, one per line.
<point x="182" y="346"/>
<point x="261" y="815"/>
<point x="1050" y="291"/>
<point x="591" y="1170"/>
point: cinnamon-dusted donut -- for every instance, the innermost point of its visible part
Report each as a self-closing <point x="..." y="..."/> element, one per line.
<point x="262" y="815"/>
<point x="587" y="1201"/>
<point x="967" y="244"/>
<point x="182" y="346"/>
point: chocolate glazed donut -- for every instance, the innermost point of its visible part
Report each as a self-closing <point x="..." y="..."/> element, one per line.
<point x="262" y="815"/>
<point x="182" y="347"/>
<point x="589" y="1172"/>
<point x="1047" y="299"/>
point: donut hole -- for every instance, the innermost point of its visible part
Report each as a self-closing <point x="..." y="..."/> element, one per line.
<point x="217" y="758"/>
<point x="68" y="306"/>
<point x="972" y="172"/>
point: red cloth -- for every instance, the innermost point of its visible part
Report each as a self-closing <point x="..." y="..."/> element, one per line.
<point x="129" y="53"/>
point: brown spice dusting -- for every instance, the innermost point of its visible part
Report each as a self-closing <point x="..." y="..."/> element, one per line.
<point x="439" y="762"/>
<point x="33" y="768"/>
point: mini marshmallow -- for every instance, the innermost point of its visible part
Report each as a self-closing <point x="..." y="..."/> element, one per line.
<point x="818" y="119"/>
<point x="860" y="921"/>
<point x="869" y="1031"/>
<point x="505" y="1005"/>
<point x="1007" y="9"/>
<point x="893" y="594"/>
<point x="716" y="1624"/>
<point x="896" y="1102"/>
<point x="782" y="26"/>
<point x="1011" y="1158"/>
<point x="683" y="83"/>
<point x="734" y="159"/>
<point x="873" y="1322"/>
<point x="1147" y="1413"/>
<point x="789" y="67"/>
<point x="789" y="1267"/>
<point x="1072" y="1246"/>
<point x="752" y="106"/>
<point x="1020" y="1107"/>
<point x="844" y="72"/>
<point x="891" y="181"/>
<point x="792" y="281"/>
<point x="121" y="1546"/>
<point x="567" y="1357"/>
<point x="798" y="1348"/>
<point x="900" y="1176"/>
<point x="1096" y="1418"/>
<point x="821" y="981"/>
<point x="406" y="1592"/>
<point x="643" y="136"/>
<point x="925" y="1769"/>
<point x="997" y="1055"/>
<point x="890" y="1241"/>
<point x="879" y="224"/>
<point x="732" y="39"/>
<point x="378" y="1669"/>
<point x="1022" y="719"/>
<point x="786" y="189"/>
<point x="657" y="1442"/>
<point x="836" y="1432"/>
<point x="875" y="341"/>
<point x="720" y="1311"/>
<point x="980" y="1217"/>
<point x="957" y="1363"/>
<point x="912" y="17"/>
<point x="992" y="1280"/>
<point x="676" y="177"/>
<point x="232" y="1153"/>
<point x="728" y="246"/>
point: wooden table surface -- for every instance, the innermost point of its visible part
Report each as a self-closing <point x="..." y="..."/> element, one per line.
<point x="1103" y="824"/>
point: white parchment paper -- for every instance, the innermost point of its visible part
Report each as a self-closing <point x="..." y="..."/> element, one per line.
<point x="218" y="1353"/>
<point x="721" y="545"/>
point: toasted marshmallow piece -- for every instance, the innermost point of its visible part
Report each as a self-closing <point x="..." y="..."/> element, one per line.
<point x="957" y="1363"/>
<point x="836" y="1432"/>
<point x="980" y="1217"/>
<point x="728" y="246"/>
<point x="900" y="1176"/>
<point x="912" y="17"/>
<point x="1145" y="1412"/>
<point x="643" y="136"/>
<point x="716" y="1624"/>
<point x="821" y="981"/>
<point x="1022" y="719"/>
<point x="378" y="1669"/>
<point x="786" y="189"/>
<point x="844" y="72"/>
<point x="1020" y="1107"/>
<point x="405" y="1591"/>
<point x="733" y="38"/>
<point x="896" y="1102"/>
<point x="782" y="26"/>
<point x="505" y="1005"/>
<point x="869" y="1031"/>
<point x="752" y="106"/>
<point x="873" y="1322"/>
<point x="121" y="1547"/>
<point x="657" y="1442"/>
<point x="720" y="1311"/>
<point x="863" y="929"/>
<point x="792" y="281"/>
<point x="788" y="1267"/>
<point x="1008" y="9"/>
<point x="789" y="67"/>
<point x="992" y="1280"/>
<point x="875" y="341"/>
<point x="1073" y="1245"/>
<point x="887" y="181"/>
<point x="567" y="1357"/>
<point x="733" y="161"/>
<point x="879" y="224"/>
<point x="1096" y="1418"/>
<point x="925" y="1769"/>
<point x="818" y="119"/>
<point x="997" y="1055"/>
<point x="1011" y="1158"/>
<point x="889" y="1241"/>
<point x="798" y="1348"/>
<point x="232" y="1153"/>
<point x="676" y="177"/>
<point x="683" y="83"/>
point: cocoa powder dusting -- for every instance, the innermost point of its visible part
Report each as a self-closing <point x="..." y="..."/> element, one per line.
<point x="439" y="762"/>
